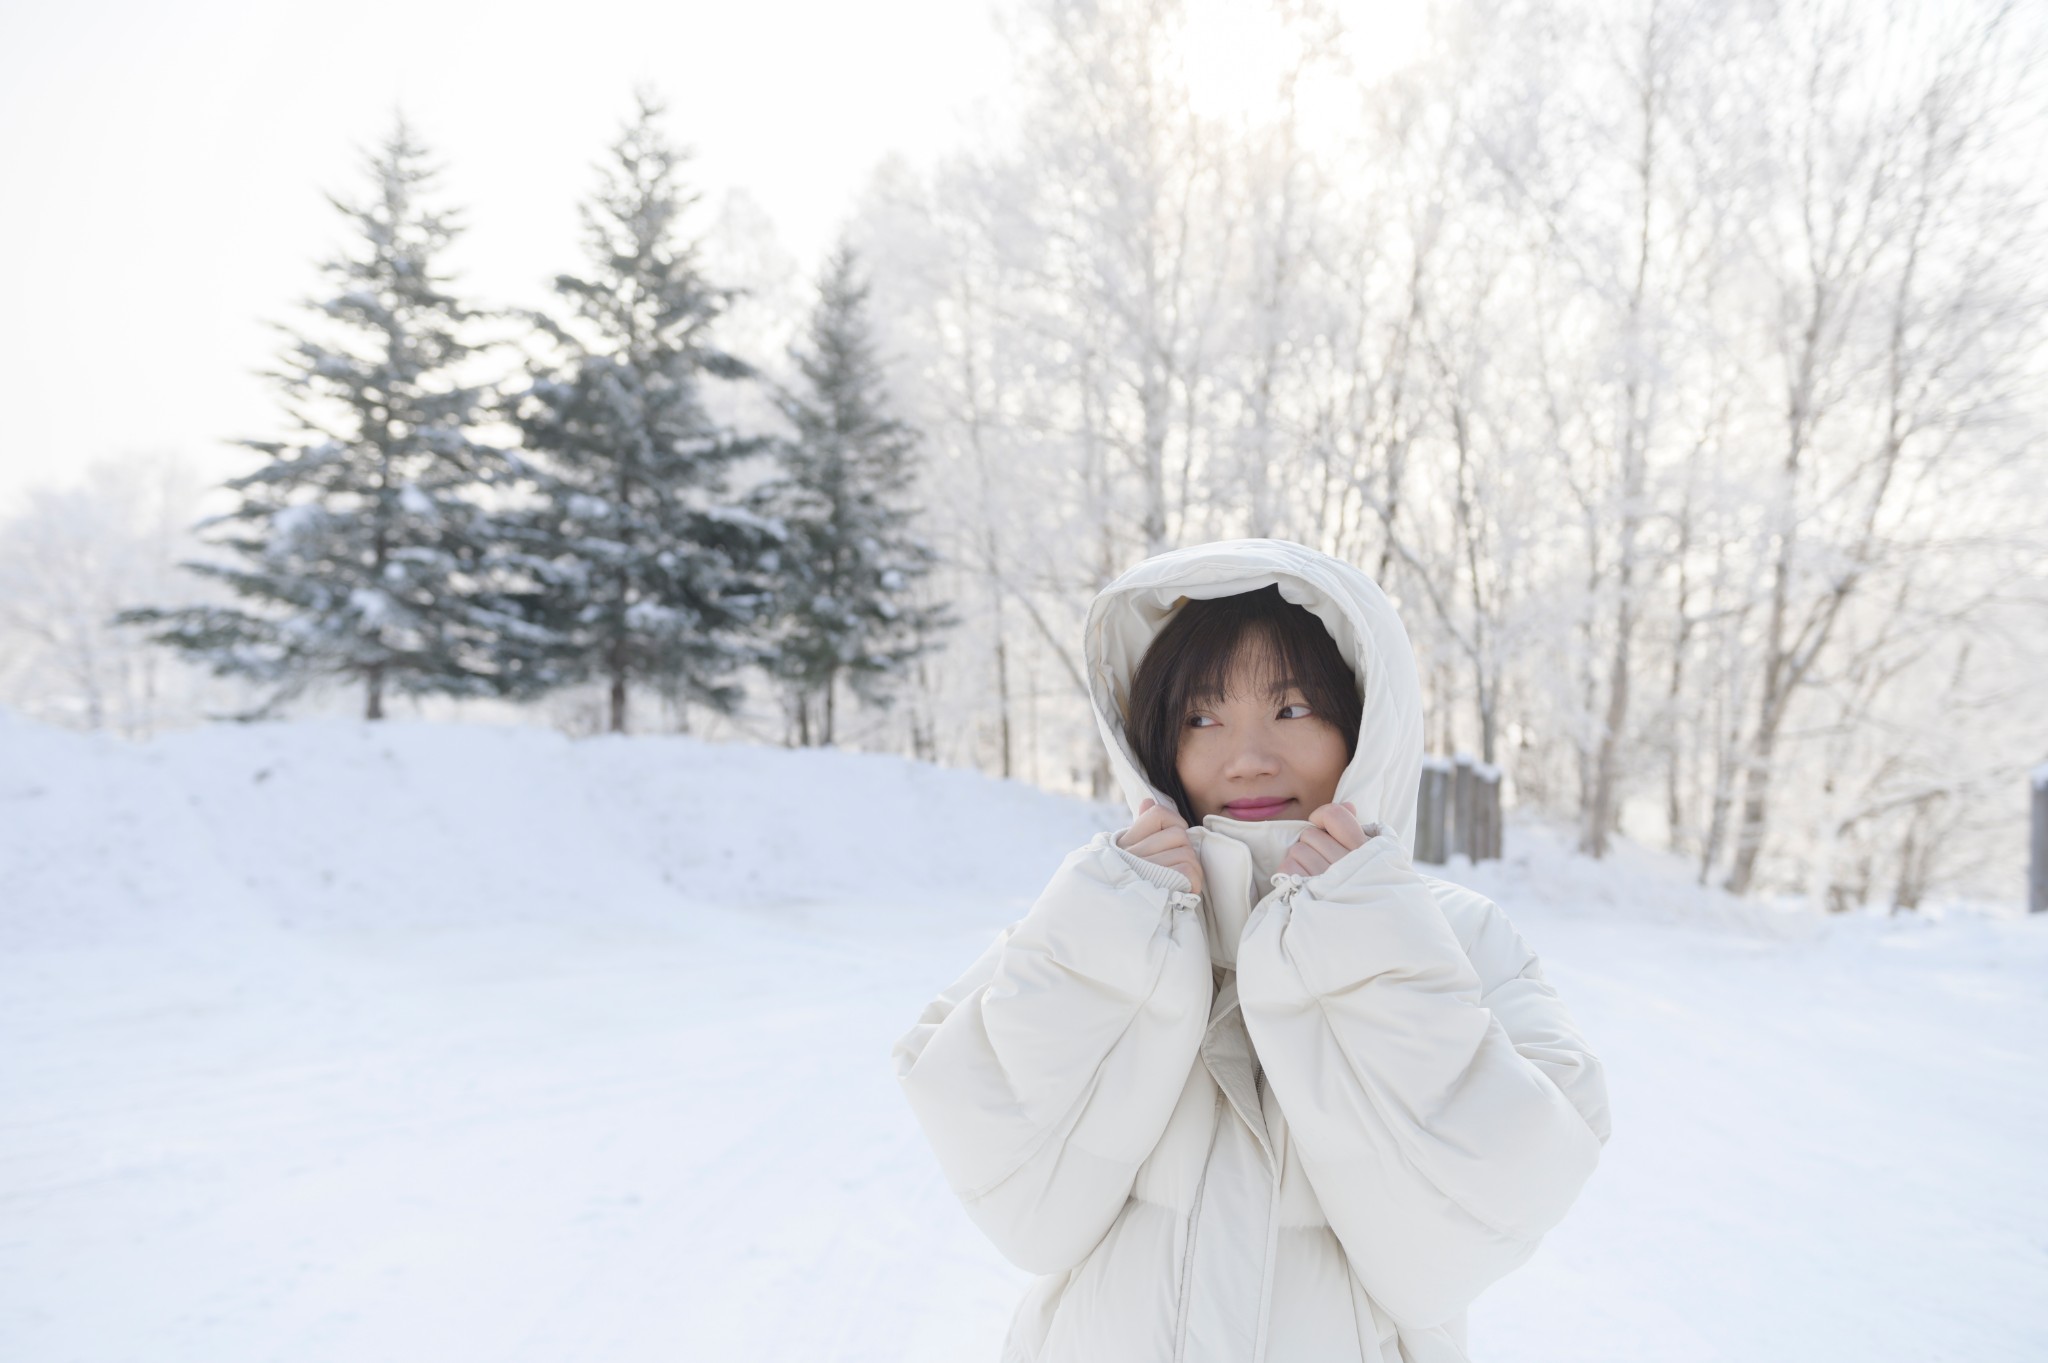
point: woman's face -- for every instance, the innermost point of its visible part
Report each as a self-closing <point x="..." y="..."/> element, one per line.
<point x="1253" y="757"/>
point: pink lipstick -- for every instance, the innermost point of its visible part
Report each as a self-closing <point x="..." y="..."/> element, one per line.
<point x="1264" y="808"/>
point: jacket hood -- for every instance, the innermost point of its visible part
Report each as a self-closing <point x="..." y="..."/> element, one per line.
<point x="1384" y="772"/>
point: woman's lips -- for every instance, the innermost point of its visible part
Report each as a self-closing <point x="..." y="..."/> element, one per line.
<point x="1256" y="809"/>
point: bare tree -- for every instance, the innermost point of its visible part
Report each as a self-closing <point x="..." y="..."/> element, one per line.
<point x="70" y="560"/>
<point x="1900" y="324"/>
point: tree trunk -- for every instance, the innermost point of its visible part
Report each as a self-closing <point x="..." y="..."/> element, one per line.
<point x="1726" y="742"/>
<point x="1153" y="398"/>
<point x="373" y="702"/>
<point x="1756" y="797"/>
<point x="1674" y="764"/>
<point x="1601" y="812"/>
<point x="1003" y="701"/>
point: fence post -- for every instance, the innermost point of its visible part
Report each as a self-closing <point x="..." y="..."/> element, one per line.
<point x="1493" y="816"/>
<point x="2037" y="896"/>
<point x="1465" y="805"/>
<point x="1485" y="792"/>
<point x="1457" y="810"/>
<point x="1431" y="799"/>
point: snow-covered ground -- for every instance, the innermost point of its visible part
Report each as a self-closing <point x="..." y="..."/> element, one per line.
<point x="404" y="1042"/>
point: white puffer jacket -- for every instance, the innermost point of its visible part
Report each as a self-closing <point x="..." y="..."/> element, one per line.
<point x="1298" y="1122"/>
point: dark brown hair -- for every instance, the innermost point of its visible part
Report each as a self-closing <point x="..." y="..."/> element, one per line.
<point x="1189" y="661"/>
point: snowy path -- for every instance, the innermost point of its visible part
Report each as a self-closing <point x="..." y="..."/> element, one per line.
<point x="667" y="1130"/>
<point x="476" y="1146"/>
<point x="1823" y="1150"/>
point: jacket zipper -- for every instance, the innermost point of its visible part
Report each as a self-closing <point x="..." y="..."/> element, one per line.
<point x="1286" y="885"/>
<point x="1187" y="1258"/>
<point x="1272" y="1252"/>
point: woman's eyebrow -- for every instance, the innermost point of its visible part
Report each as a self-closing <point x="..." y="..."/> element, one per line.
<point x="1274" y="691"/>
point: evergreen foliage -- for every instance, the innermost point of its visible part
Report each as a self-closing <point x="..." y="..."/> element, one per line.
<point x="633" y="561"/>
<point x="847" y="576"/>
<point x="357" y="543"/>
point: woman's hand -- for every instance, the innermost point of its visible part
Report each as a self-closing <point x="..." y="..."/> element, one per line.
<point x="1336" y="832"/>
<point x="1160" y="836"/>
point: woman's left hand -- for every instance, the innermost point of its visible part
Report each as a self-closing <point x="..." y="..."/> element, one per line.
<point x="1336" y="832"/>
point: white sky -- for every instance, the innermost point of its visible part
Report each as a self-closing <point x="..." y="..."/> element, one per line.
<point x="164" y="168"/>
<point x="165" y="164"/>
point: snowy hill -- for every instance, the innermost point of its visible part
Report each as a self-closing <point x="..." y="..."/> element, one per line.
<point x="377" y="1043"/>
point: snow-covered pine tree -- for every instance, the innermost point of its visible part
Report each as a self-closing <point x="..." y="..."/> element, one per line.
<point x="846" y="581"/>
<point x="637" y="562"/>
<point x="356" y="543"/>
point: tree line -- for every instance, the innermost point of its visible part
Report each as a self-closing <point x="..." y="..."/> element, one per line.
<point x="434" y="527"/>
<point x="1677" y="367"/>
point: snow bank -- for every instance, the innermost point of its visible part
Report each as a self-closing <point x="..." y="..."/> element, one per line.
<point x="347" y="1043"/>
<point x="414" y="825"/>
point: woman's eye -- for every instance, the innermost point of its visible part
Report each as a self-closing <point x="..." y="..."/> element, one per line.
<point x="1195" y="721"/>
<point x="1298" y="705"/>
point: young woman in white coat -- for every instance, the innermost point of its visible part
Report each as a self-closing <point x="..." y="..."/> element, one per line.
<point x="1242" y="1085"/>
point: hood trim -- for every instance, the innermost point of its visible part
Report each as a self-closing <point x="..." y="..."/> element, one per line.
<point x="1385" y="771"/>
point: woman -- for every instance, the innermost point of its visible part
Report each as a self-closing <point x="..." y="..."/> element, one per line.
<point x="1242" y="1085"/>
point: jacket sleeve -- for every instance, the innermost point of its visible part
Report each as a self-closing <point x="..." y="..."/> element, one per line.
<point x="1045" y="1075"/>
<point x="1442" y="1103"/>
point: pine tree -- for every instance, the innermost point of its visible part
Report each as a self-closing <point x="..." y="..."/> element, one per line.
<point x="637" y="563"/>
<point x="847" y="575"/>
<point x="358" y="541"/>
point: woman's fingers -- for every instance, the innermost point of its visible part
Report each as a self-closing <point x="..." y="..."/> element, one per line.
<point x="1340" y="821"/>
<point x="1329" y="848"/>
<point x="1300" y="861"/>
<point x="1335" y="830"/>
<point x="1146" y="823"/>
<point x="1152" y="817"/>
<point x="1158" y="844"/>
<point x="1163" y="840"/>
<point x="1159" y="834"/>
<point x="1148" y="847"/>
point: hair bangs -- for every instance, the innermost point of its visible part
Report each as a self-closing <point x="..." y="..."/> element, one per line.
<point x="1254" y="646"/>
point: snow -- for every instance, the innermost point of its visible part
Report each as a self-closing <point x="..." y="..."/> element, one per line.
<point x="372" y="605"/>
<point x="771" y="526"/>
<point x="336" y="1041"/>
<point x="295" y="520"/>
<point x="651" y="616"/>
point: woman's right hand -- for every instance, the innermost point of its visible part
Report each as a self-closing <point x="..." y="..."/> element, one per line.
<point x="1160" y="836"/>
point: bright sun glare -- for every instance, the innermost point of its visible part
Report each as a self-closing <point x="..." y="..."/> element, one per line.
<point x="1236" y="53"/>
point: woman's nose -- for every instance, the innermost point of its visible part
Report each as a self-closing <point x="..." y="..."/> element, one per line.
<point x="1253" y="755"/>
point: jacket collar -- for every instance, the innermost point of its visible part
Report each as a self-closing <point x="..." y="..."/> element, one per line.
<point x="1239" y="857"/>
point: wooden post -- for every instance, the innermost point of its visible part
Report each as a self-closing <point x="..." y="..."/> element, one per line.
<point x="1465" y="805"/>
<point x="1493" y="814"/>
<point x="1500" y="820"/>
<point x="1457" y="810"/>
<point x="1432" y="796"/>
<point x="1485" y="812"/>
<point x="2037" y="897"/>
